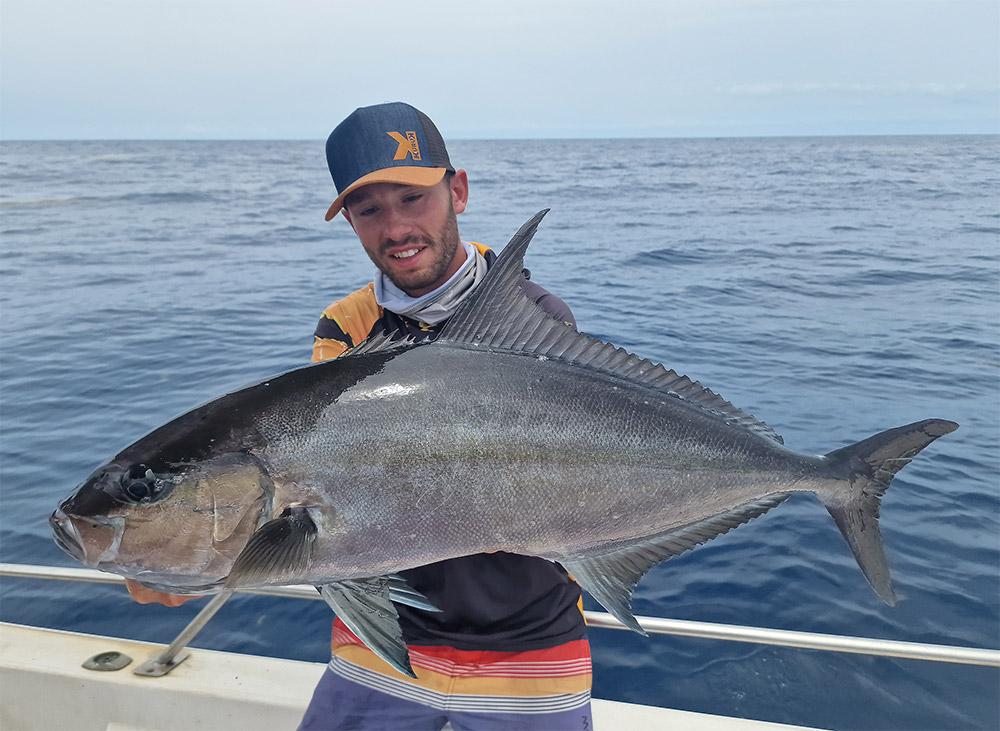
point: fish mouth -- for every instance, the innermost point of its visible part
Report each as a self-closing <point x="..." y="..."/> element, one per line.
<point x="66" y="535"/>
<point x="96" y="535"/>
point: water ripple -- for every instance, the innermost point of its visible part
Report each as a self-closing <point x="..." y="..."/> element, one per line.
<point x="833" y="286"/>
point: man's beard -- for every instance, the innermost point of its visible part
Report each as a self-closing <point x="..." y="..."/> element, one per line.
<point x="443" y="245"/>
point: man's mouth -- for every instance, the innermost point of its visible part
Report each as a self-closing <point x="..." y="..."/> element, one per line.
<point x="407" y="256"/>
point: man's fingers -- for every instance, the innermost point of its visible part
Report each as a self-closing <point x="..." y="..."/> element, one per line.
<point x="141" y="594"/>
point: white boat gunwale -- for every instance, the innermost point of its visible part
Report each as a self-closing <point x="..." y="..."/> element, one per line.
<point x="228" y="690"/>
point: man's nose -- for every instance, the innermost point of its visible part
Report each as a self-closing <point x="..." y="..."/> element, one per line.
<point x="398" y="226"/>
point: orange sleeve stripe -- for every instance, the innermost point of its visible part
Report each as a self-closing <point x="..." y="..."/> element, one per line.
<point x="325" y="349"/>
<point x="356" y="313"/>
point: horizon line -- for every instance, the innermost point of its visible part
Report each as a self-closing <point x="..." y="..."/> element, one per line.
<point x="518" y="139"/>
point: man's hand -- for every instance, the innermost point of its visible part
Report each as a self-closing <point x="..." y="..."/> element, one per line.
<point x="149" y="596"/>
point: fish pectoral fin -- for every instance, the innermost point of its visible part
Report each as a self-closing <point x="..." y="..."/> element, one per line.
<point x="365" y="606"/>
<point x="611" y="577"/>
<point x="402" y="593"/>
<point x="280" y="548"/>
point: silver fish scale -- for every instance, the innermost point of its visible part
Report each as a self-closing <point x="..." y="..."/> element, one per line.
<point x="450" y="451"/>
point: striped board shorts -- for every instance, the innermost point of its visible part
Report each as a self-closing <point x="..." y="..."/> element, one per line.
<point x="474" y="690"/>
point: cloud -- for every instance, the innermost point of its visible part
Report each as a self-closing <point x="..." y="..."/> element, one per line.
<point x="930" y="88"/>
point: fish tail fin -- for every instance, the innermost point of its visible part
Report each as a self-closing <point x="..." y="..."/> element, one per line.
<point x="868" y="467"/>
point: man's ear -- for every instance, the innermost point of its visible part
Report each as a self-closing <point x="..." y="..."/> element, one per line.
<point x="459" y="189"/>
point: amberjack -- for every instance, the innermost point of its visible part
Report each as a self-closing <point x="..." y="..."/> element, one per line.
<point x="510" y="431"/>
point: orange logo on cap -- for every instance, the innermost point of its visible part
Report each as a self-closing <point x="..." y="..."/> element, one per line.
<point x="407" y="145"/>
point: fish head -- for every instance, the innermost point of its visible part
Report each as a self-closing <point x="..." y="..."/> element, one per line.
<point x="175" y="527"/>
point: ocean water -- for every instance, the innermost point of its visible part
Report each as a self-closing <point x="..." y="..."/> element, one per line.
<point x="834" y="287"/>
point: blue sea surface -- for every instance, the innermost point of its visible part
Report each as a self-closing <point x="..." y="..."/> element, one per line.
<point x="834" y="287"/>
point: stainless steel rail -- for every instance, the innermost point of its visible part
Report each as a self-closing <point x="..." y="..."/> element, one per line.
<point x="653" y="625"/>
<point x="175" y="653"/>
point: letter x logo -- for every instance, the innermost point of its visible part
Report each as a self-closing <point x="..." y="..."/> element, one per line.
<point x="408" y="145"/>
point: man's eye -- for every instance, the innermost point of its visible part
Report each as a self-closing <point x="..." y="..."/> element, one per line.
<point x="367" y="211"/>
<point x="413" y="197"/>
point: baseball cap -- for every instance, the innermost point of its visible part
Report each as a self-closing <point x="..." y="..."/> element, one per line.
<point x="384" y="143"/>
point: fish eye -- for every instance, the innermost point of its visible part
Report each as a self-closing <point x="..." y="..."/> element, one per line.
<point x="139" y="489"/>
<point x="139" y="484"/>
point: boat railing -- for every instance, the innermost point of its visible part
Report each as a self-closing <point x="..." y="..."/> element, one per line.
<point x="175" y="653"/>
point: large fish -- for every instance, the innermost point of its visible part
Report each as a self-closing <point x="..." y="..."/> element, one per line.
<point x="509" y="432"/>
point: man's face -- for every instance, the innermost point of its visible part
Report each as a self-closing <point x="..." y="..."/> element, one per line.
<point x="409" y="232"/>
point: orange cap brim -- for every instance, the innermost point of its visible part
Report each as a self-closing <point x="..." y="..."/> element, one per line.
<point x="423" y="177"/>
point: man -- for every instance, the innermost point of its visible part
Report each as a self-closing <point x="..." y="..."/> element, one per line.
<point x="508" y="649"/>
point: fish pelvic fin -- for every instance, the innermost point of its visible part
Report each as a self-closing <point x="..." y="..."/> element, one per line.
<point x="365" y="606"/>
<point x="611" y="576"/>
<point x="869" y="467"/>
<point x="402" y="593"/>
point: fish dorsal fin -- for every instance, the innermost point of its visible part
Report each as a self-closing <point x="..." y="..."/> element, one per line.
<point x="498" y="315"/>
<point x="611" y="577"/>
<point x="365" y="606"/>
<point x="499" y="301"/>
<point x="380" y="342"/>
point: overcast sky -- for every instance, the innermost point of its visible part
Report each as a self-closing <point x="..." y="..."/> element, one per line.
<point x="221" y="69"/>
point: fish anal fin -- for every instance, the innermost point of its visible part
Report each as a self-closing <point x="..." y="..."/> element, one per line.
<point x="610" y="581"/>
<point x="281" y="548"/>
<point x="611" y="576"/>
<point x="365" y="606"/>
